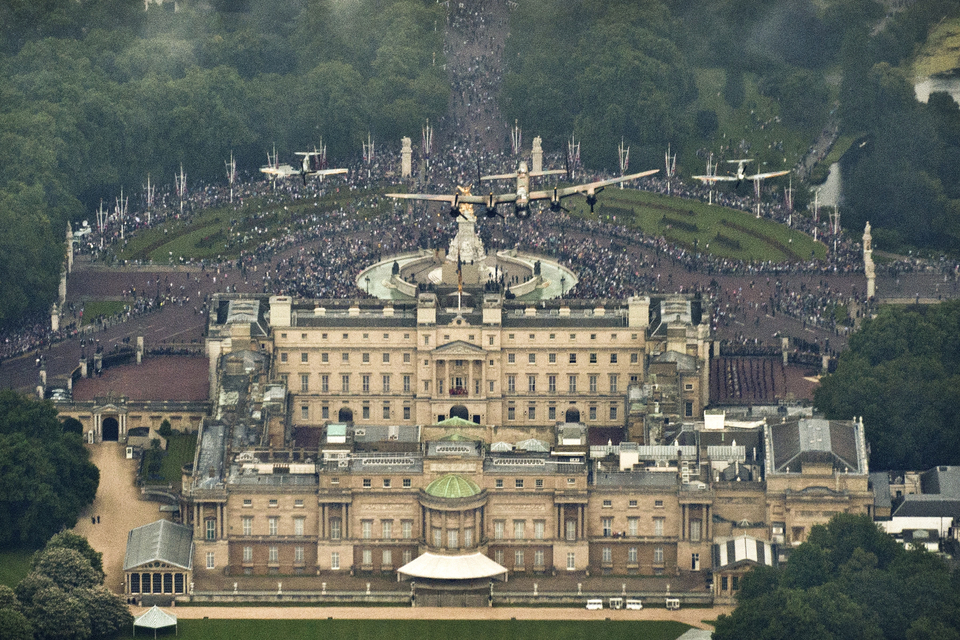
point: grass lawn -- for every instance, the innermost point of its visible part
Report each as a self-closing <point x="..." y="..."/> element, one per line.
<point x="180" y="449"/>
<point x="92" y="309"/>
<point x="773" y="146"/>
<point x="224" y="232"/>
<point x="730" y="233"/>
<point x="941" y="51"/>
<point x="14" y="565"/>
<point x="422" y="630"/>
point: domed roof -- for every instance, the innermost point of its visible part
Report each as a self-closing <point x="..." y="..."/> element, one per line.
<point x="452" y="486"/>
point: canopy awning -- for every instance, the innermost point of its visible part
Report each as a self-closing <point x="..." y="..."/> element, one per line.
<point x="463" y="567"/>
<point x="155" y="618"/>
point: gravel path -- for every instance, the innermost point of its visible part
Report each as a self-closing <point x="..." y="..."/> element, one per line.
<point x="119" y="507"/>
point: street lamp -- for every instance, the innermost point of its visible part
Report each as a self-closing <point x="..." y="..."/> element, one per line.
<point x="563" y="284"/>
<point x="368" y="285"/>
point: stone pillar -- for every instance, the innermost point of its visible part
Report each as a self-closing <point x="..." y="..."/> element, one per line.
<point x="406" y="155"/>
<point x="69" y="248"/>
<point x="537" y="155"/>
<point x="868" y="266"/>
<point x="55" y="317"/>
<point x="63" y="287"/>
<point x="139" y="349"/>
<point x="83" y="368"/>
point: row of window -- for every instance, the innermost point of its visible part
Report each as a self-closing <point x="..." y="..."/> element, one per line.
<point x="593" y="382"/>
<point x="606" y="555"/>
<point x="159" y="582"/>
<point x="520" y="529"/>
<point x="173" y="583"/>
<point x="346" y="336"/>
<point x="273" y="503"/>
<point x="592" y="358"/>
<point x="470" y="338"/>
<point x="531" y="412"/>
<point x="365" y="380"/>
<point x="406" y="383"/>
<point x="344" y="357"/>
<point x="365" y="412"/>
<point x="633" y="527"/>
<point x="273" y="555"/>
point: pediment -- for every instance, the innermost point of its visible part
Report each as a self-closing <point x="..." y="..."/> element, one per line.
<point x="458" y="348"/>
<point x="109" y="408"/>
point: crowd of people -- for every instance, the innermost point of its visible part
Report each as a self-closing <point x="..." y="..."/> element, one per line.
<point x="319" y="251"/>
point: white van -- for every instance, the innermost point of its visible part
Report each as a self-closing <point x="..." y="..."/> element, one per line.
<point x="634" y="605"/>
<point x="673" y="603"/>
<point x="594" y="604"/>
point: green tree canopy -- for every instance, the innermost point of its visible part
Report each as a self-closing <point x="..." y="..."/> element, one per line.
<point x="848" y="580"/>
<point x="47" y="476"/>
<point x="70" y="540"/>
<point x="63" y="595"/>
<point x="901" y="373"/>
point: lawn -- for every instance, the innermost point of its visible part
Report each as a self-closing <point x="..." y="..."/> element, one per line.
<point x="423" y="630"/>
<point x="772" y="145"/>
<point x="729" y="233"/>
<point x="225" y="232"/>
<point x="14" y="565"/>
<point x="92" y="309"/>
<point x="941" y="51"/>
<point x="180" y="450"/>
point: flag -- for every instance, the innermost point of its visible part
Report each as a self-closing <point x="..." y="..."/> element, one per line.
<point x="459" y="274"/>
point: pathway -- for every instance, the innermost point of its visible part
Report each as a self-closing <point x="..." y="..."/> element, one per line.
<point x="118" y="507"/>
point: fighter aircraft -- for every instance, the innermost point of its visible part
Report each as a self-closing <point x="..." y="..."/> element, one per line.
<point x="310" y="166"/>
<point x="741" y="174"/>
<point x="522" y="198"/>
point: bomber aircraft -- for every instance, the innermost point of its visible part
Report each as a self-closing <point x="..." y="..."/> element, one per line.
<point x="522" y="197"/>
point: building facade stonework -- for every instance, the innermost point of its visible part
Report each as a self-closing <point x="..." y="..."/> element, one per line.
<point x="355" y="436"/>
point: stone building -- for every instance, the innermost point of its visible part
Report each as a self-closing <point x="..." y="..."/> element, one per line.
<point x="357" y="437"/>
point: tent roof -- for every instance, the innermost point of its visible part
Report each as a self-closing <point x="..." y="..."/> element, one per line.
<point x="462" y="567"/>
<point x="156" y="618"/>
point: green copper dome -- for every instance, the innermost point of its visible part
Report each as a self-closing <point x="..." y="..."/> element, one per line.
<point x="452" y="486"/>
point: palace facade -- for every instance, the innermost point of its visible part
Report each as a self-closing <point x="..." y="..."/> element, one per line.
<point x="559" y="436"/>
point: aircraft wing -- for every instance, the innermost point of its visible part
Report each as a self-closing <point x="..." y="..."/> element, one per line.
<point x="551" y="172"/>
<point x="590" y="188"/>
<point x="715" y="178"/>
<point x="326" y="172"/>
<point x="281" y="171"/>
<point x="438" y="197"/>
<point x="500" y="176"/>
<point x="764" y="176"/>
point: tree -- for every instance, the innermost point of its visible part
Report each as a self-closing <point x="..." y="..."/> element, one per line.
<point x="108" y="613"/>
<point x="848" y="580"/>
<point x="63" y="595"/>
<point x="70" y="540"/>
<point x="57" y="615"/>
<point x="47" y="477"/>
<point x="901" y="373"/>
<point x="68" y="569"/>
<point x="14" y="625"/>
